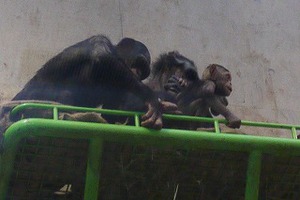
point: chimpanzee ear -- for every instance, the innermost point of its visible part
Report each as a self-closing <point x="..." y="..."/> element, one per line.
<point x="213" y="70"/>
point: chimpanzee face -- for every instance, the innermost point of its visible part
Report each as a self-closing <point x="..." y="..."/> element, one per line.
<point x="223" y="82"/>
<point x="140" y="67"/>
<point x="135" y="55"/>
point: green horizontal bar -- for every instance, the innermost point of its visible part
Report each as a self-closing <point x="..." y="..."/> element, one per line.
<point x="141" y="135"/>
<point x="24" y="106"/>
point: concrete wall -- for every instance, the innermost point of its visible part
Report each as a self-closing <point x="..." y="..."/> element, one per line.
<point x="257" y="40"/>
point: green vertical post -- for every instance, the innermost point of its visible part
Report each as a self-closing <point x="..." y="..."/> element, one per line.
<point x="253" y="175"/>
<point x="136" y="120"/>
<point x="217" y="126"/>
<point x="93" y="169"/>
<point x="55" y="113"/>
<point x="294" y="132"/>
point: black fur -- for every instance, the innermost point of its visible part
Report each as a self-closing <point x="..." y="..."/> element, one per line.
<point x="91" y="73"/>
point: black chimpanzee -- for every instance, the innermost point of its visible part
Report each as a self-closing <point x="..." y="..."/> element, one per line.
<point x="177" y="80"/>
<point x="94" y="72"/>
<point x="167" y="66"/>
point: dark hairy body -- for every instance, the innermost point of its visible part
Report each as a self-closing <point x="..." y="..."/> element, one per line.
<point x="176" y="79"/>
<point x="95" y="72"/>
<point x="207" y="96"/>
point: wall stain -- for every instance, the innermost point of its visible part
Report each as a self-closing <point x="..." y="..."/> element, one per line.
<point x="188" y="28"/>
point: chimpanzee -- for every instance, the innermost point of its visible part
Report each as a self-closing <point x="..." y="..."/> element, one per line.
<point x="167" y="64"/>
<point x="94" y="72"/>
<point x="177" y="80"/>
<point x="206" y="96"/>
<point x="171" y="64"/>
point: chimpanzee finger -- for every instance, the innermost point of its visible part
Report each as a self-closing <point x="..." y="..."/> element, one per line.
<point x="149" y="113"/>
<point x="173" y="79"/>
<point x="153" y="122"/>
<point x="183" y="82"/>
<point x="168" y="106"/>
<point x="174" y="87"/>
<point x="152" y="119"/>
<point x="147" y="122"/>
<point x="170" y="85"/>
<point x="158" y="123"/>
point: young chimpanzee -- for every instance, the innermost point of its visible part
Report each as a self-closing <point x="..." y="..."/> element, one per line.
<point x="175" y="78"/>
<point x="94" y="72"/>
<point x="207" y="96"/>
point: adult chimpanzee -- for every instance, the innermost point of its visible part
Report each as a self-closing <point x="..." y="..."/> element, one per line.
<point x="94" y="72"/>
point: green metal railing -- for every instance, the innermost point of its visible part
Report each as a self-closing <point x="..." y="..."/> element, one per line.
<point x="97" y="133"/>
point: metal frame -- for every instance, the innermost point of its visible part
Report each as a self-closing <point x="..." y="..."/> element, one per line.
<point x="96" y="133"/>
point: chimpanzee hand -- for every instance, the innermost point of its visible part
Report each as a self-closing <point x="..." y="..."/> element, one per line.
<point x="208" y="89"/>
<point x="153" y="118"/>
<point x="170" y="108"/>
<point x="175" y="84"/>
<point x="233" y="121"/>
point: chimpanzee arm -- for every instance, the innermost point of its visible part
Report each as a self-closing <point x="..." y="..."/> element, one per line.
<point x="105" y="68"/>
<point x="111" y="71"/>
<point x="215" y="103"/>
<point x="204" y="88"/>
<point x="224" y="101"/>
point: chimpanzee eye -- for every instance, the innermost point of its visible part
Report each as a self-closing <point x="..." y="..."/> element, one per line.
<point x="228" y="77"/>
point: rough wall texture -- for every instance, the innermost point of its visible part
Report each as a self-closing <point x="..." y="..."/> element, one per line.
<point x="258" y="40"/>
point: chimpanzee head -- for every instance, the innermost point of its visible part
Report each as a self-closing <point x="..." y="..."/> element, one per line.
<point x="135" y="55"/>
<point x="221" y="77"/>
<point x="186" y="66"/>
<point x="174" y="64"/>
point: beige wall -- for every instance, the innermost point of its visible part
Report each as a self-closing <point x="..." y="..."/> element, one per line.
<point x="258" y="40"/>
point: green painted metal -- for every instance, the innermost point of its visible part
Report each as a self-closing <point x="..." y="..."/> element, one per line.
<point x="166" y="116"/>
<point x="294" y="132"/>
<point x="217" y="127"/>
<point x="55" y="113"/>
<point x="253" y="175"/>
<point x="97" y="133"/>
<point x="93" y="169"/>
